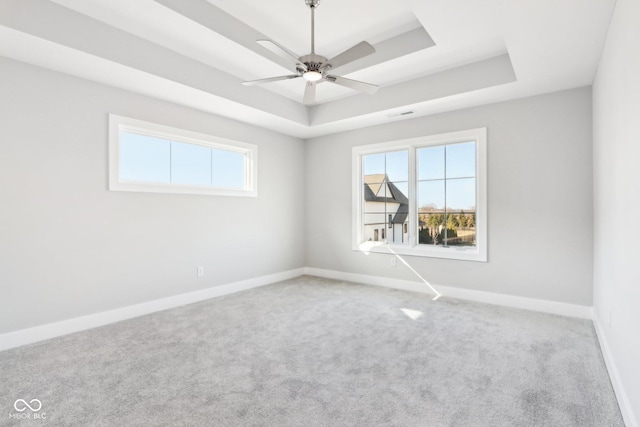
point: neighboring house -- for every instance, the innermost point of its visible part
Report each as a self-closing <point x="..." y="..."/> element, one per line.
<point x="386" y="210"/>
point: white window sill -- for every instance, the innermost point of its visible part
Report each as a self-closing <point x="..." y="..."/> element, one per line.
<point x="149" y="187"/>
<point x="457" y="253"/>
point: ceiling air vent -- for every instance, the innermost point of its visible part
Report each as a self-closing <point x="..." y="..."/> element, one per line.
<point x="404" y="113"/>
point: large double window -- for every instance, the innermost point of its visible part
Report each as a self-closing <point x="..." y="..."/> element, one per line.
<point x="425" y="196"/>
<point x="150" y="157"/>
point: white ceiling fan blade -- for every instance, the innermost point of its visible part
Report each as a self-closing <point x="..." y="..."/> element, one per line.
<point x="367" y="88"/>
<point x="282" y="52"/>
<point x="270" y="79"/>
<point x="358" y="51"/>
<point x="309" y="93"/>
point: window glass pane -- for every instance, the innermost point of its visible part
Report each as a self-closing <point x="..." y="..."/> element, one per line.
<point x="374" y="196"/>
<point x="385" y="193"/>
<point x="190" y="164"/>
<point x="431" y="196"/>
<point x="373" y="221"/>
<point x="431" y="212"/>
<point x="461" y="160"/>
<point x="144" y="158"/>
<point x="431" y="228"/>
<point x="461" y="208"/>
<point x="227" y="168"/>
<point x="461" y="229"/>
<point x="374" y="188"/>
<point x="385" y="196"/>
<point x="430" y="163"/>
<point x="461" y="194"/>
<point x="399" y="191"/>
<point x="374" y="206"/>
<point x="397" y="212"/>
<point x="397" y="165"/>
<point x="373" y="164"/>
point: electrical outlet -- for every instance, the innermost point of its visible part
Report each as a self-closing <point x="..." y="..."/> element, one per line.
<point x="200" y="271"/>
<point x="393" y="262"/>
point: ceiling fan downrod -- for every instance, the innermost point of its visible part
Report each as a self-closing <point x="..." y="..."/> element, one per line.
<point x="312" y="5"/>
<point x="312" y="61"/>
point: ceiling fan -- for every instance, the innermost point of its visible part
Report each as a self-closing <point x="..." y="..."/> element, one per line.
<point x="315" y="68"/>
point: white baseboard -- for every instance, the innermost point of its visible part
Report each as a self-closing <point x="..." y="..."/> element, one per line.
<point x="386" y="282"/>
<point x="544" y="306"/>
<point x="614" y="374"/>
<point x="64" y="327"/>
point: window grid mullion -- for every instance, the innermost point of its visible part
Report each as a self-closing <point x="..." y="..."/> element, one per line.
<point x="413" y="197"/>
<point x="386" y="187"/>
<point x="444" y="218"/>
<point x="361" y="202"/>
<point x="211" y="167"/>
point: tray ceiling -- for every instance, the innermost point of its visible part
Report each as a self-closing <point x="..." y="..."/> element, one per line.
<point x="430" y="56"/>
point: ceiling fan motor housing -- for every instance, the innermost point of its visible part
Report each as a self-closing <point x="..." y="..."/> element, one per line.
<point x="313" y="61"/>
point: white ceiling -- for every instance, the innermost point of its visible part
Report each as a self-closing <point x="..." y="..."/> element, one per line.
<point x="431" y="56"/>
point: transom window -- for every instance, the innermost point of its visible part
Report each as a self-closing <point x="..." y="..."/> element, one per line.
<point x="154" y="158"/>
<point x="429" y="194"/>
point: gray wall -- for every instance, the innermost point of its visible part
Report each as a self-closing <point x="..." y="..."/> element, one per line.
<point x="70" y="247"/>
<point x="539" y="199"/>
<point x="616" y="110"/>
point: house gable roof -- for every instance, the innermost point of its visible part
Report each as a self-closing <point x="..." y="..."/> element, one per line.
<point x="372" y="186"/>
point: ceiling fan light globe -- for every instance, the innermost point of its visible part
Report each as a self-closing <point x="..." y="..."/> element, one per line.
<point x="312" y="76"/>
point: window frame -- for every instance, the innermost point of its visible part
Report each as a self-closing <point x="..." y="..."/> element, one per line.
<point x="478" y="253"/>
<point x="120" y="123"/>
